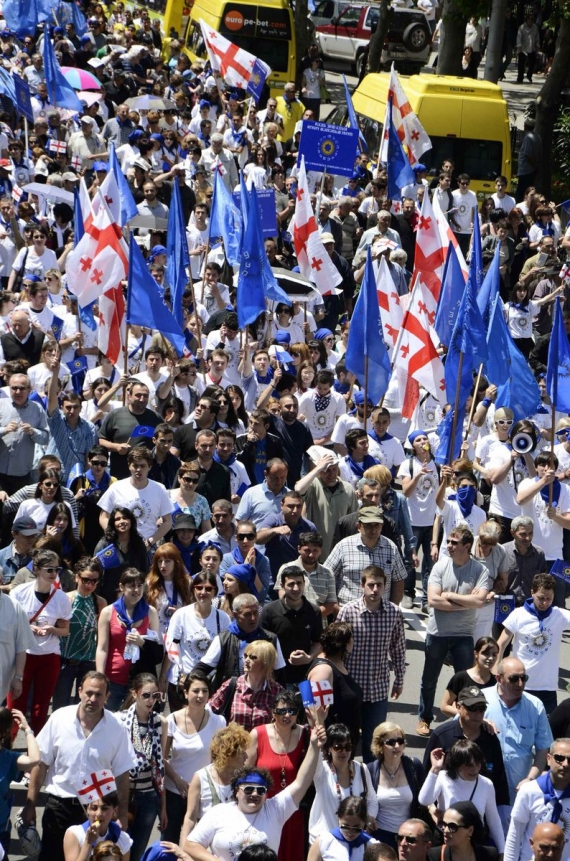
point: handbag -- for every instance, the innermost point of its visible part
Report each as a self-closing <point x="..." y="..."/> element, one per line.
<point x="20" y="276"/>
<point x="324" y="95"/>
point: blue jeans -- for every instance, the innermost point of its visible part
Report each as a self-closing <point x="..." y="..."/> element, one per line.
<point x="117" y="694"/>
<point x="436" y="649"/>
<point x="147" y="809"/>
<point x="548" y="699"/>
<point x="71" y="673"/>
<point x="372" y="715"/>
<point x="176" y="810"/>
<point x="423" y="536"/>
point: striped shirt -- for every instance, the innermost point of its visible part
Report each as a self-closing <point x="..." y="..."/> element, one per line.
<point x="350" y="556"/>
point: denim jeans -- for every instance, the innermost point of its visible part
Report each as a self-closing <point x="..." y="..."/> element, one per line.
<point x="147" y="809"/>
<point x="117" y="694"/>
<point x="436" y="649"/>
<point x="423" y="536"/>
<point x="70" y="672"/>
<point x="176" y="809"/>
<point x="548" y="699"/>
<point x="372" y="715"/>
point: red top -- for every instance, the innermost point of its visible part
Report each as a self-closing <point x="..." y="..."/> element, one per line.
<point x="274" y="762"/>
<point x="116" y="668"/>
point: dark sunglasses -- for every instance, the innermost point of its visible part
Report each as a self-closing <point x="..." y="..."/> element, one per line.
<point x="392" y="742"/>
<point x="355" y="828"/>
<point x="254" y="790"/>
<point x="99" y="462"/>
<point x="285" y="710"/>
<point x="475" y="708"/>
<point x="51" y="570"/>
<point x="338" y="747"/>
<point x="517" y="677"/>
<point x="559" y="758"/>
<point x="90" y="581"/>
<point x="451" y="826"/>
<point x="187" y="479"/>
<point x="245" y="536"/>
<point x="406" y="838"/>
<point x="202" y="588"/>
<point x="156" y="695"/>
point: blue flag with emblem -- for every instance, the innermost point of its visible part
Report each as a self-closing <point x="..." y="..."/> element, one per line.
<point x="60" y="93"/>
<point x="558" y="368"/>
<point x="504" y="605"/>
<point x="142" y="431"/>
<point x="250" y="299"/>
<point x="75" y="471"/>
<point x="78" y="365"/>
<point x="352" y="118"/>
<point x="451" y="293"/>
<point x="21" y="16"/>
<point x="226" y="220"/>
<point x="177" y="258"/>
<point x="489" y="289"/>
<point x="398" y="167"/>
<point x="145" y="301"/>
<point x="365" y="339"/>
<point x="126" y="199"/>
<point x="561" y="570"/>
<point x="56" y="327"/>
<point x="109" y="557"/>
<point x="330" y="148"/>
<point x="260" y="71"/>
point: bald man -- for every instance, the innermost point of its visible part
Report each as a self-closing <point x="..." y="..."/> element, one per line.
<point x="547" y="842"/>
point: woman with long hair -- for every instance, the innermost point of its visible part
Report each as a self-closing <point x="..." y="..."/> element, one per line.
<point x="249" y="699"/>
<point x="167" y="584"/>
<point x="186" y="500"/>
<point x="480" y="674"/>
<point x="329" y="665"/>
<point x="46" y="494"/>
<point x="306" y="374"/>
<point x="146" y="779"/>
<point x="58" y="525"/>
<point x="237" y="398"/>
<point x="227" y="416"/>
<point x="463" y="836"/>
<point x="120" y="642"/>
<point x="238" y="580"/>
<point x="121" y="535"/>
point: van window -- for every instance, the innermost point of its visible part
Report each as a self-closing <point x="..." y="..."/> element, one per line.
<point x="350" y="17"/>
<point x="482" y="160"/>
<point x="326" y="9"/>
<point x="274" y="53"/>
<point x="371" y="18"/>
<point x="158" y="6"/>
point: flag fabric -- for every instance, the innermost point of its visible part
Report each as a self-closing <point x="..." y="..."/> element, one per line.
<point x="498" y="346"/>
<point x="451" y="293"/>
<point x="565" y="272"/>
<point x="561" y="570"/>
<point x="558" y="368"/>
<point x="142" y="432"/>
<point x="78" y="365"/>
<point x="468" y="338"/>
<point x="177" y="256"/>
<point x="314" y="261"/>
<point x="429" y="258"/>
<point x="398" y="167"/>
<point x="109" y="557"/>
<point x="328" y="147"/>
<point x="117" y="193"/>
<point x="21" y="16"/>
<point x="17" y="193"/>
<point x="306" y="691"/>
<point x="447" y="236"/>
<point x="517" y="388"/>
<point x="260" y="72"/>
<point x="83" y="213"/>
<point x="226" y="221"/>
<point x="406" y="123"/>
<point x="95" y="785"/>
<point x="417" y="354"/>
<point x="234" y="64"/>
<point x="476" y="258"/>
<point x="490" y="287"/>
<point x="391" y="309"/>
<point x="445" y="451"/>
<point x="75" y="471"/>
<point x="60" y="94"/>
<point x="57" y="146"/>
<point x="365" y="340"/>
<point x="504" y="605"/>
<point x="145" y="301"/>
<point x="352" y="118"/>
<point x="250" y="300"/>
<point x="322" y="693"/>
<point x="56" y="327"/>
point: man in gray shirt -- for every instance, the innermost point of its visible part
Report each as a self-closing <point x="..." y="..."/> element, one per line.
<point x="23" y="423"/>
<point x="457" y="587"/>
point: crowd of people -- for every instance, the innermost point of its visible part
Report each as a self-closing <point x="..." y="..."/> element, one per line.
<point x="207" y="561"/>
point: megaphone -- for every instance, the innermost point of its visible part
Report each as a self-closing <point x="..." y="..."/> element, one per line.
<point x="524" y="443"/>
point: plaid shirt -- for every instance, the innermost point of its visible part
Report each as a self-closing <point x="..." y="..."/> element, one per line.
<point x="249" y="708"/>
<point x="350" y="556"/>
<point x="71" y="446"/>
<point x="377" y="637"/>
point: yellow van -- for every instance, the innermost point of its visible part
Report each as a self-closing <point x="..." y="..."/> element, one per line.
<point x="467" y="121"/>
<point x="264" y="29"/>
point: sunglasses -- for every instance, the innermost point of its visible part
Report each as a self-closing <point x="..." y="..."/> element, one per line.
<point x="338" y="747"/>
<point x="90" y="581"/>
<point x="245" y="536"/>
<point x="99" y="463"/>
<point x="392" y="742"/>
<point x="504" y="421"/>
<point x="18" y="388"/>
<point x="51" y="570"/>
<point x="406" y="838"/>
<point x="251" y="657"/>
<point x="50" y="484"/>
<point x="559" y="758"/>
<point x="285" y="710"/>
<point x="355" y="828"/>
<point x="156" y="695"/>
<point x="517" y="677"/>
<point x="187" y="479"/>
<point x="254" y="790"/>
<point x="202" y="588"/>
<point x="452" y="541"/>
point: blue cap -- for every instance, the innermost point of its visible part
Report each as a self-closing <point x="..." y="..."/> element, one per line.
<point x="419" y="167"/>
<point x="358" y="398"/>
<point x="156" y="250"/>
<point x="283" y="337"/>
<point x="157" y="137"/>
<point x="204" y="103"/>
<point x="85" y="39"/>
<point x="415" y="434"/>
<point x="355" y="176"/>
<point x="135" y="136"/>
<point x="321" y="334"/>
<point x="101" y="165"/>
<point x="58" y="30"/>
<point x="35" y="279"/>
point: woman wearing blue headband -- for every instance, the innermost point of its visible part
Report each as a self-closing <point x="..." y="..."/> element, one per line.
<point x="252" y="818"/>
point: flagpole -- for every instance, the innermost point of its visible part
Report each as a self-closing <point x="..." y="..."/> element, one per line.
<point x="26" y="141"/>
<point x="456" y="408"/>
<point x="552" y="435"/>
<point x="126" y="361"/>
<point x="365" y="391"/>
<point x="198" y="322"/>
<point x="473" y="401"/>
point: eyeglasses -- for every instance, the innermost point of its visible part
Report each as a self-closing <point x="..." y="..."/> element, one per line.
<point x="451" y="826"/>
<point x="89" y="581"/>
<point x="50" y="484"/>
<point x="338" y="747"/>
<point x="284" y="711"/>
<point x="406" y="838"/>
<point x="187" y="479"/>
<point x="254" y="790"/>
<point x="156" y="695"/>
<point x="559" y="758"/>
<point x="392" y="742"/>
<point x="476" y="708"/>
<point x="356" y="828"/>
<point x="203" y="588"/>
<point x="504" y="421"/>
<point x="463" y="183"/>
<point x="98" y="463"/>
<point x="51" y="570"/>
<point x="452" y="541"/>
<point x="517" y="677"/>
<point x="245" y="536"/>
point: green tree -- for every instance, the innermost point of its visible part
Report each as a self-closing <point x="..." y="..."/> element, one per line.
<point x="378" y="36"/>
<point x="454" y="17"/>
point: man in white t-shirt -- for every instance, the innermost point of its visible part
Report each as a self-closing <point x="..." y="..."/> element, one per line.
<point x="153" y="377"/>
<point x="147" y="499"/>
<point x="502" y="199"/>
<point x="506" y="470"/>
<point x="465" y="205"/>
<point x="321" y="407"/>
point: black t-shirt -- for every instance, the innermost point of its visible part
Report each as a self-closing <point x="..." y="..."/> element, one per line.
<point x="295" y="629"/>
<point x="118" y="427"/>
<point x="462" y="679"/>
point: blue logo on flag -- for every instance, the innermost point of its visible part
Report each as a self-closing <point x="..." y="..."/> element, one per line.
<point x="331" y="148"/>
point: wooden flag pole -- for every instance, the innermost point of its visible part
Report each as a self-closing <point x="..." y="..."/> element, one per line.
<point x="473" y="402"/>
<point x="126" y="361"/>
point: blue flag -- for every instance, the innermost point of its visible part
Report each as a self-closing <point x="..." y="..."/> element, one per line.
<point x="126" y="199"/>
<point x="75" y="471"/>
<point x="558" y="369"/>
<point x="250" y="301"/>
<point x="445" y="451"/>
<point x="452" y="289"/>
<point x="21" y="16"/>
<point x="260" y="71"/>
<point x="476" y="259"/>
<point x="61" y="95"/>
<point x="7" y="85"/>
<point x="23" y="98"/>
<point x="504" y="605"/>
<point x="78" y="365"/>
<point x="498" y="338"/>
<point x="399" y="169"/>
<point x="226" y="220"/>
<point x="561" y="570"/>
<point x="520" y="391"/>
<point x="352" y="119"/>
<point x="145" y="301"/>
<point x="468" y="338"/>
<point x="109" y="557"/>
<point x="490" y="287"/>
<point x="365" y="339"/>
<point x="56" y="327"/>
<point x="142" y="432"/>
<point x="177" y="258"/>
<point x="326" y="147"/>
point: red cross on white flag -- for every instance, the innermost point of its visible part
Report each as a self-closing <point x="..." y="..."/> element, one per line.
<point x="312" y="257"/>
<point x="322" y="693"/>
<point x="391" y="310"/>
<point x="58" y="146"/>
<point x="408" y="127"/>
<point x="233" y="63"/>
<point x="96" y="785"/>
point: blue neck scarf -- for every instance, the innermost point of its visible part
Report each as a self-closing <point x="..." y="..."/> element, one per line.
<point x="541" y="615"/>
<point x="93" y="486"/>
<point x="465" y="498"/>
<point x="341" y="388"/>
<point x="234" y="628"/>
<point x="267" y="378"/>
<point x="545" y="783"/>
<point x="139" y="612"/>
<point x="361" y="840"/>
<point x="545" y="494"/>
<point x="231" y="459"/>
<point x="237" y="554"/>
<point x="379" y="439"/>
<point x="113" y="831"/>
<point x="520" y="306"/>
<point x="359" y="468"/>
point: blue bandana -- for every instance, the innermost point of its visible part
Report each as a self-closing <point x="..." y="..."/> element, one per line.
<point x="549" y="793"/>
<point x="361" y="840"/>
<point x="541" y="615"/>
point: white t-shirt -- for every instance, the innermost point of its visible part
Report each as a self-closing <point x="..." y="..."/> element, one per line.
<point x="195" y="636"/>
<point x="322" y="817"/>
<point x="465" y="210"/>
<point x="451" y="514"/>
<point x="422" y="501"/>
<point x="38" y="511"/>
<point x="321" y="424"/>
<point x="190" y="752"/>
<point x="124" y="842"/>
<point x="147" y="504"/>
<point x="520" y="322"/>
<point x="538" y="650"/>
<point x="507" y="202"/>
<point x="227" y="831"/>
<point x="35" y="265"/>
<point x="528" y="811"/>
<point x="547" y="534"/>
<point x="504" y="494"/>
<point x="58" y="607"/>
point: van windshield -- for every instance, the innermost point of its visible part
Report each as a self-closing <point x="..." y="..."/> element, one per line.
<point x="481" y="159"/>
<point x="274" y="52"/>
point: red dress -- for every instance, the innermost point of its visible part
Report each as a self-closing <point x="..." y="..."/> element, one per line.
<point x="292" y="845"/>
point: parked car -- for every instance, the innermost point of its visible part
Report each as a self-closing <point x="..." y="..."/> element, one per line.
<point x="343" y="32"/>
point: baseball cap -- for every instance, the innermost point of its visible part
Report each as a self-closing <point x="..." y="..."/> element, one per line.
<point x="370" y="514"/>
<point x="25" y="526"/>
<point x="88" y="121"/>
<point x="68" y="176"/>
<point x="142" y="163"/>
<point x="471" y="696"/>
<point x="184" y="521"/>
<point x="326" y="238"/>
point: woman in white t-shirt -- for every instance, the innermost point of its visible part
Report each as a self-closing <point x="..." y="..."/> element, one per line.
<point x="520" y="311"/>
<point x="252" y="819"/>
<point x="49" y="610"/>
<point x="47" y="493"/>
<point x="99" y="828"/>
<point x="348" y="841"/>
<point x="35" y="259"/>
